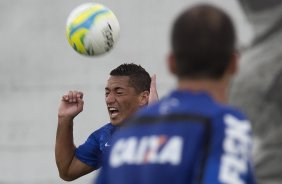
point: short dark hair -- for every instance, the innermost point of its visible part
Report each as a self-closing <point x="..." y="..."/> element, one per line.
<point x="203" y="41"/>
<point x="139" y="78"/>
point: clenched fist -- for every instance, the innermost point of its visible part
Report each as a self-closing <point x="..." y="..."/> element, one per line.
<point x="71" y="105"/>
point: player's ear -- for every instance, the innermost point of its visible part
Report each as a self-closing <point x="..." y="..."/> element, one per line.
<point x="144" y="98"/>
<point x="171" y="63"/>
<point x="233" y="66"/>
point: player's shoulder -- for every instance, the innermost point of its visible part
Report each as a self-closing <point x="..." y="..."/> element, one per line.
<point x="188" y="102"/>
<point x="107" y="128"/>
<point x="231" y="119"/>
<point x="227" y="110"/>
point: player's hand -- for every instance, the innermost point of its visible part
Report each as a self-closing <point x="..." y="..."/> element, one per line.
<point x="71" y="104"/>
<point x="153" y="97"/>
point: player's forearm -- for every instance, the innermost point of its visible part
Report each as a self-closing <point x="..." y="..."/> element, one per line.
<point x="65" y="148"/>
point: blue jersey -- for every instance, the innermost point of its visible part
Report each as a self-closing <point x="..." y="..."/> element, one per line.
<point x="186" y="138"/>
<point x="94" y="147"/>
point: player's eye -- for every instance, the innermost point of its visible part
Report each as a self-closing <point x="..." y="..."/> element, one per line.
<point x="119" y="92"/>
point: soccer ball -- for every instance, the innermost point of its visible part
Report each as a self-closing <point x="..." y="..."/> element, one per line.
<point x="92" y="29"/>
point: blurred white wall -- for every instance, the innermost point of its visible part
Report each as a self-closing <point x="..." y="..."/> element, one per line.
<point x="37" y="66"/>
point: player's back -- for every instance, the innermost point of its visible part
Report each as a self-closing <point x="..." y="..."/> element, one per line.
<point x="185" y="138"/>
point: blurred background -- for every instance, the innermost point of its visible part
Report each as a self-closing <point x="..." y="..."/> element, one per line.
<point x="37" y="66"/>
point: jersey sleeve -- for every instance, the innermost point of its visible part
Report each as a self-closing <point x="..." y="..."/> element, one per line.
<point x="229" y="160"/>
<point x="89" y="152"/>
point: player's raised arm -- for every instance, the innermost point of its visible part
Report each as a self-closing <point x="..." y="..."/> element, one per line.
<point x="68" y="165"/>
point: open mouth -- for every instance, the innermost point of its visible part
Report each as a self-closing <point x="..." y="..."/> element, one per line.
<point x="113" y="112"/>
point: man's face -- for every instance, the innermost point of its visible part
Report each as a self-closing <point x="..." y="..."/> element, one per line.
<point x="121" y="99"/>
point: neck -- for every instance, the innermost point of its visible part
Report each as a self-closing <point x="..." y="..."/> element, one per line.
<point x="218" y="89"/>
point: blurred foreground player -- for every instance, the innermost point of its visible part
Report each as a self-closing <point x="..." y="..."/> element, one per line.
<point x="190" y="136"/>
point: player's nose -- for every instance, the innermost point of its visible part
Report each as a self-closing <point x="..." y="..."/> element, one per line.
<point x="110" y="98"/>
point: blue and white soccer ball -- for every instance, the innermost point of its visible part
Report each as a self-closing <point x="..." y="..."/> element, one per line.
<point x="92" y="29"/>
